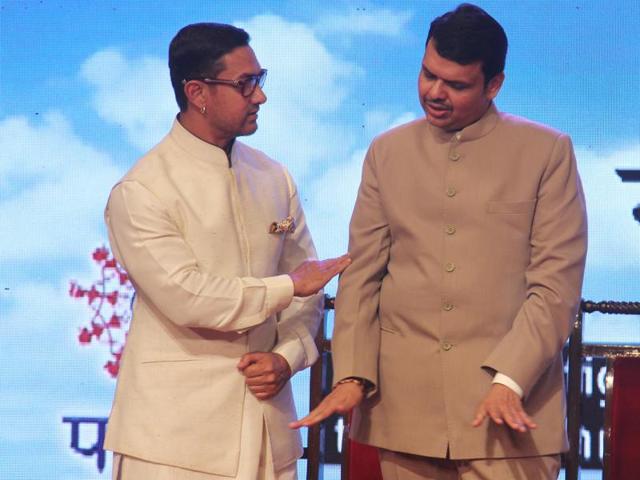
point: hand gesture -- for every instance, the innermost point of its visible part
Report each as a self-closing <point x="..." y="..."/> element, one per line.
<point x="310" y="276"/>
<point x="503" y="405"/>
<point x="265" y="373"/>
<point x="342" y="399"/>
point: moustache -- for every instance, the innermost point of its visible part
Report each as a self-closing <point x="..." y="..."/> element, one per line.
<point x="437" y="104"/>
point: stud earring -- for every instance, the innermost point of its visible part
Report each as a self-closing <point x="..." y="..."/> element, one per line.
<point x="203" y="109"/>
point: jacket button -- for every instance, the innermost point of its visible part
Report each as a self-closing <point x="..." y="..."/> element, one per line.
<point x="446" y="346"/>
<point x="447" y="307"/>
<point x="454" y="156"/>
<point x="451" y="191"/>
<point x="450" y="229"/>
<point x="449" y="267"/>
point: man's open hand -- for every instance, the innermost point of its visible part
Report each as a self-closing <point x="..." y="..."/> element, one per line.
<point x="310" y="276"/>
<point x="502" y="405"/>
<point x="341" y="400"/>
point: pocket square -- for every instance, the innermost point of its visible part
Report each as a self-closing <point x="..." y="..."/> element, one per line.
<point x="286" y="225"/>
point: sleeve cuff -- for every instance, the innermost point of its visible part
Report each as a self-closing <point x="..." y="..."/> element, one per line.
<point x="508" y="382"/>
<point x="279" y="293"/>
<point x="293" y="353"/>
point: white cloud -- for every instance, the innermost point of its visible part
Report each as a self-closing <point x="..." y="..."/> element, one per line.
<point x="331" y="200"/>
<point x="300" y="125"/>
<point x="614" y="236"/>
<point x="58" y="188"/>
<point x="366" y="21"/>
<point x="305" y="87"/>
<point x="378" y="121"/>
<point x="332" y="194"/>
<point x="46" y="375"/>
<point x="135" y="94"/>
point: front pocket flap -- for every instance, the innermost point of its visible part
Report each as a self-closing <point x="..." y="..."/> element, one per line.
<point x="170" y="360"/>
<point x="526" y="206"/>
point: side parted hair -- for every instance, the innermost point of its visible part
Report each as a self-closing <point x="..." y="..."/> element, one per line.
<point x="469" y="34"/>
<point x="196" y="51"/>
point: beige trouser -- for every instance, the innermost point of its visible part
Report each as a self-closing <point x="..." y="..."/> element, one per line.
<point x="403" y="466"/>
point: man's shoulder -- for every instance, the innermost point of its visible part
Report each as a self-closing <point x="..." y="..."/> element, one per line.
<point x="401" y="134"/>
<point x="149" y="167"/>
<point x="253" y="157"/>
<point x="527" y="126"/>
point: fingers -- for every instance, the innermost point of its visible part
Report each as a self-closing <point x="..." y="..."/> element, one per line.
<point x="264" y="392"/>
<point x="259" y="363"/>
<point x="518" y="419"/>
<point x="249" y="359"/>
<point x="266" y="373"/>
<point x="513" y="414"/>
<point x="270" y="378"/>
<point x="481" y="414"/>
<point x="321" y="412"/>
<point x="503" y="406"/>
<point x="341" y="400"/>
<point x="310" y="276"/>
<point x="256" y="369"/>
<point x="338" y="264"/>
<point x="512" y="417"/>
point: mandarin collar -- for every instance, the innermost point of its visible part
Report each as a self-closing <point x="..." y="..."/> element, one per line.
<point x="198" y="147"/>
<point x="478" y="129"/>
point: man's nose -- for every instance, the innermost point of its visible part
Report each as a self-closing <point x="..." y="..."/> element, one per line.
<point x="436" y="92"/>
<point x="258" y="96"/>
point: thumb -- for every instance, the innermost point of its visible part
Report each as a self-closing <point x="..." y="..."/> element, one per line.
<point x="246" y="360"/>
<point x="480" y="416"/>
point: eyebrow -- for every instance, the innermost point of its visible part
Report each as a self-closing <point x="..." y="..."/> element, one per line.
<point x="250" y="74"/>
<point x="447" y="81"/>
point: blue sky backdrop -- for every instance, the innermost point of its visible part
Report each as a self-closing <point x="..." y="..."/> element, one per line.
<point x="84" y="91"/>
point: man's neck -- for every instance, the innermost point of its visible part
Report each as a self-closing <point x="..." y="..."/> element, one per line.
<point x="197" y="127"/>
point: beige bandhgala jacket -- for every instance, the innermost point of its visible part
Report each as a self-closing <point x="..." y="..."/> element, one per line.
<point x="468" y="256"/>
<point x="194" y="235"/>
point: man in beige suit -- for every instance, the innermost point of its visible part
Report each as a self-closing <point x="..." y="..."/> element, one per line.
<point x="213" y="236"/>
<point x="468" y="241"/>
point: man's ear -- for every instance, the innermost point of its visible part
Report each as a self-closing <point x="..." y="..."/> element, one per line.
<point x="196" y="93"/>
<point x="494" y="86"/>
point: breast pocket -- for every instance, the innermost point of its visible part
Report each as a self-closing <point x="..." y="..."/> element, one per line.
<point x="511" y="219"/>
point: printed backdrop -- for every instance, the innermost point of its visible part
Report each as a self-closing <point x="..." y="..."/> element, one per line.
<point x="84" y="91"/>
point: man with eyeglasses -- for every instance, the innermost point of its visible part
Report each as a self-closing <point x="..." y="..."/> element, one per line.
<point x="212" y="234"/>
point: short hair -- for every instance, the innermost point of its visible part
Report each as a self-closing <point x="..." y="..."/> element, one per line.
<point x="196" y="51"/>
<point x="469" y="34"/>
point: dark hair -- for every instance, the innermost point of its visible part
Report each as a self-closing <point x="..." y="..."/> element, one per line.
<point x="196" y="50"/>
<point x="468" y="34"/>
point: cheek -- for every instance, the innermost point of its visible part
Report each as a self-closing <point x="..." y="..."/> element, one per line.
<point x="423" y="87"/>
<point x="461" y="103"/>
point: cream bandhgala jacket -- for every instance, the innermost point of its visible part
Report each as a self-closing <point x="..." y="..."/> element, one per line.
<point x="468" y="256"/>
<point x="192" y="229"/>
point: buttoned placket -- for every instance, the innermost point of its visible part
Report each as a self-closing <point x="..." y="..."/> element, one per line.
<point x="449" y="230"/>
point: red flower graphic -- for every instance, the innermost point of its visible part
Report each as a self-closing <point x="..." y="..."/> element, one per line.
<point x="109" y="299"/>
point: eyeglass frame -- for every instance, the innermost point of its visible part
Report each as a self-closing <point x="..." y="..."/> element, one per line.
<point x="239" y="85"/>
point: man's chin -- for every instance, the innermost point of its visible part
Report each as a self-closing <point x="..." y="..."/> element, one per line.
<point x="444" y="123"/>
<point x="249" y="129"/>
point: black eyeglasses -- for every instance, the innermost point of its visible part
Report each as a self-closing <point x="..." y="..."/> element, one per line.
<point x="246" y="86"/>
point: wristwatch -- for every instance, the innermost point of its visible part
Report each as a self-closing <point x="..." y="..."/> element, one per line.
<point x="365" y="384"/>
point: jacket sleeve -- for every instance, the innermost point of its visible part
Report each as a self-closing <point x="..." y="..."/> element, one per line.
<point x="149" y="245"/>
<point x="554" y="275"/>
<point x="298" y="323"/>
<point x="356" y="337"/>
